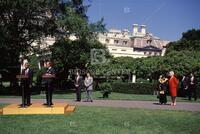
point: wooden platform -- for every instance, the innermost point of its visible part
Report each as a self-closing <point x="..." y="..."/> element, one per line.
<point x="37" y="108"/>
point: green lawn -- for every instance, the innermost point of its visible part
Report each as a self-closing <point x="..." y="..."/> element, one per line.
<point x="104" y="120"/>
<point x="113" y="96"/>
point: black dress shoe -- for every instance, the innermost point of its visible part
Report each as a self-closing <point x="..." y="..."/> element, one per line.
<point x="24" y="106"/>
<point x="21" y="105"/>
<point x="29" y="104"/>
<point x="45" y="104"/>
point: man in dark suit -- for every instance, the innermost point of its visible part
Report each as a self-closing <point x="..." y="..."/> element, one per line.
<point x="27" y="83"/>
<point x="192" y="87"/>
<point x="49" y="84"/>
<point x="185" y="85"/>
<point x="78" y="86"/>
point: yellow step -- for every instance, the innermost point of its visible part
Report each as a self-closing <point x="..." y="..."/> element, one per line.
<point x="70" y="109"/>
<point x="1" y="111"/>
<point x="36" y="108"/>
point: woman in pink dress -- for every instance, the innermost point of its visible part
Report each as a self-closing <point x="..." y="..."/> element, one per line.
<point x="173" y="85"/>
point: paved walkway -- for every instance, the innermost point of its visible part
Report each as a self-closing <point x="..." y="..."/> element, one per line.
<point x="186" y="106"/>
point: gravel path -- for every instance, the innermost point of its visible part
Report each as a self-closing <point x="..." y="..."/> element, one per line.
<point x="185" y="106"/>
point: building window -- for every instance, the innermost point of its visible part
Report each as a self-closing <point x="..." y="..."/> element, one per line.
<point x="116" y="41"/>
<point x="123" y="50"/>
<point x="114" y="49"/>
<point x="149" y="41"/>
<point x="145" y="53"/>
<point x="107" y="40"/>
<point x="124" y="42"/>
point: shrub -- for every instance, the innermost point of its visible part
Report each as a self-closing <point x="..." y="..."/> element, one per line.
<point x="38" y="75"/>
<point x="134" y="88"/>
<point x="105" y="89"/>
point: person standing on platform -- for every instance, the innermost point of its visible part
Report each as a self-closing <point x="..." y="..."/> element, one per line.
<point x="173" y="86"/>
<point x="27" y="84"/>
<point x="89" y="87"/>
<point x="192" y="87"/>
<point x="78" y="86"/>
<point x="49" y="84"/>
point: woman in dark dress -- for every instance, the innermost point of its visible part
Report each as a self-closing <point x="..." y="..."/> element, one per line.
<point x="163" y="90"/>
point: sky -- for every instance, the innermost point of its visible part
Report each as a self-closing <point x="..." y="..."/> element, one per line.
<point x="166" y="19"/>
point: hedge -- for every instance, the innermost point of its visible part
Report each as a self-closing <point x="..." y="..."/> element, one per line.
<point x="134" y="88"/>
<point x="142" y="88"/>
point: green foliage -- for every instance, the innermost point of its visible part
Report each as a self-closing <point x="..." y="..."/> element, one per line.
<point x="38" y="75"/>
<point x="134" y="88"/>
<point x="24" y="21"/>
<point x="105" y="87"/>
<point x="190" y="41"/>
<point x="182" y="57"/>
<point x="33" y="61"/>
<point x="73" y="54"/>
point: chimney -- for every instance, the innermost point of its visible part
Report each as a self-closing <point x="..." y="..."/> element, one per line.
<point x="143" y="29"/>
<point x="135" y="29"/>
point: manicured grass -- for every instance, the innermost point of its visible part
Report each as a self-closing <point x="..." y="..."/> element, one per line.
<point x="104" y="120"/>
<point x="112" y="96"/>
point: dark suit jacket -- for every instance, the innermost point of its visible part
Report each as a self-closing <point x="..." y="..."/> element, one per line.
<point x="186" y="82"/>
<point x="30" y="76"/>
<point x="79" y="82"/>
<point x="51" y="71"/>
<point x="194" y="81"/>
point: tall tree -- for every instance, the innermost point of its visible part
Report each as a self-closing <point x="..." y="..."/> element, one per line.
<point x="72" y="21"/>
<point x="21" y="23"/>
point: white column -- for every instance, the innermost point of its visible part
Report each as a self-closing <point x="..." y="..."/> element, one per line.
<point x="133" y="78"/>
<point x="135" y="29"/>
<point x="143" y="29"/>
<point x="39" y="66"/>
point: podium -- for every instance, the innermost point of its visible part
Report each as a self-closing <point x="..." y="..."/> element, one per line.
<point x="37" y="107"/>
<point x="48" y="79"/>
<point x="22" y="79"/>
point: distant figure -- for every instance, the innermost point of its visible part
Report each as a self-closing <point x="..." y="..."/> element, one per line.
<point x="49" y="84"/>
<point x="89" y="87"/>
<point x="27" y="84"/>
<point x="78" y="86"/>
<point x="173" y="85"/>
<point x="185" y="85"/>
<point x="159" y="86"/>
<point x="163" y="90"/>
<point x="192" y="87"/>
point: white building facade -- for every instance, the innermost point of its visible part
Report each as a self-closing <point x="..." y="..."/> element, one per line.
<point x="136" y="44"/>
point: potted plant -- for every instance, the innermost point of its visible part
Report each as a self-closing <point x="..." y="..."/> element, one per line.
<point x="105" y="89"/>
